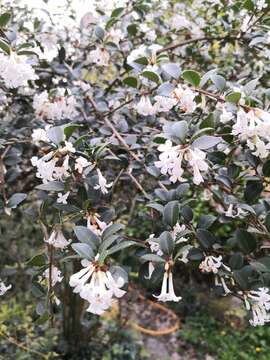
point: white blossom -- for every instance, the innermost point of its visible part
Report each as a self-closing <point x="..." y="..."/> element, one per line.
<point x="4" y="288"/>
<point x="99" y="56"/>
<point x="54" y="108"/>
<point x="39" y="135"/>
<point x="102" y="183"/>
<point x="185" y="97"/>
<point x="167" y="289"/>
<point x="144" y="106"/>
<point x="81" y="163"/>
<point x="96" y="225"/>
<point x="101" y="289"/>
<point x="62" y="198"/>
<point x="57" y="239"/>
<point x="164" y="103"/>
<point x="55" y="275"/>
<point x="258" y="301"/>
<point x="15" y="71"/>
<point x="211" y="264"/>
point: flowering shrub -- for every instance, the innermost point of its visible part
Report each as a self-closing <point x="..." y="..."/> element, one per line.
<point x="139" y="102"/>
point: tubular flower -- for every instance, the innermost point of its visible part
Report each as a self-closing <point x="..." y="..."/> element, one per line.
<point x="101" y="289"/>
<point x="167" y="289"/>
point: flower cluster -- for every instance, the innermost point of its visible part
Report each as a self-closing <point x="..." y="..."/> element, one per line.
<point x="258" y="301"/>
<point x="182" y="97"/>
<point x="254" y="128"/>
<point x="15" y="71"/>
<point x="54" y="108"/>
<point x="101" y="289"/>
<point x="211" y="264"/>
<point x="172" y="157"/>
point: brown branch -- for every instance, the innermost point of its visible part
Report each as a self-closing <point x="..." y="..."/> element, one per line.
<point x="107" y="122"/>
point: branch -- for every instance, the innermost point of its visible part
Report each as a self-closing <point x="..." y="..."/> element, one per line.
<point x="111" y="126"/>
<point x="190" y="41"/>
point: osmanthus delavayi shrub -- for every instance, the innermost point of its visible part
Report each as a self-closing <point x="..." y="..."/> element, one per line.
<point x="164" y="99"/>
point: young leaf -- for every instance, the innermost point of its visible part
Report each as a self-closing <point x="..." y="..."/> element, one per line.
<point x="192" y="77"/>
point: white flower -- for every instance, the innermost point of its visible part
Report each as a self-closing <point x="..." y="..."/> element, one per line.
<point x="62" y="198"/>
<point x="225" y="116"/>
<point x="116" y="35"/>
<point x="55" y="275"/>
<point x="68" y="148"/>
<point x="154" y="246"/>
<point x="99" y="56"/>
<point x="101" y="289"/>
<point x="179" y="21"/>
<point x="254" y="127"/>
<point x="164" y="103"/>
<point x="185" y="96"/>
<point x="81" y="163"/>
<point x="234" y="213"/>
<point x="55" y="108"/>
<point x="167" y="289"/>
<point x="4" y="288"/>
<point x="144" y="106"/>
<point x="57" y="239"/>
<point x="15" y="71"/>
<point x="96" y="225"/>
<point x="211" y="264"/>
<point x="39" y="135"/>
<point x="102" y="183"/>
<point x="196" y="159"/>
<point x="219" y="281"/>
<point x="178" y="229"/>
<point x="259" y="302"/>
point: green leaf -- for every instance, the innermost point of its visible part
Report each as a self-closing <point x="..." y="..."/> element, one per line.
<point x="56" y="134"/>
<point x="205" y="221"/>
<point x="205" y="238"/>
<point x="233" y="97"/>
<point x="236" y="261"/>
<point x="116" y="12"/>
<point x="16" y="199"/>
<point x="172" y="69"/>
<point x="195" y="254"/>
<point x="218" y="81"/>
<point x="171" y="213"/>
<point x="132" y="29"/>
<point x="4" y="19"/>
<point x="108" y="242"/>
<point x="267" y="221"/>
<point x="4" y="46"/>
<point x="192" y="77"/>
<point x="121" y="246"/>
<point x="179" y="130"/>
<point x="245" y="241"/>
<point x="99" y="32"/>
<point x="150" y="75"/>
<point x="131" y="81"/>
<point x="166" y="242"/>
<point x="69" y="130"/>
<point x="86" y="236"/>
<point x="110" y="230"/>
<point x="187" y="213"/>
<point x="152" y="257"/>
<point x="51" y="186"/>
<point x="266" y="168"/>
<point x="253" y="191"/>
<point x="37" y="260"/>
<point x="84" y="250"/>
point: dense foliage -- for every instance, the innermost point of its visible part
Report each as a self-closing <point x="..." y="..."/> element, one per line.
<point x="135" y="139"/>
